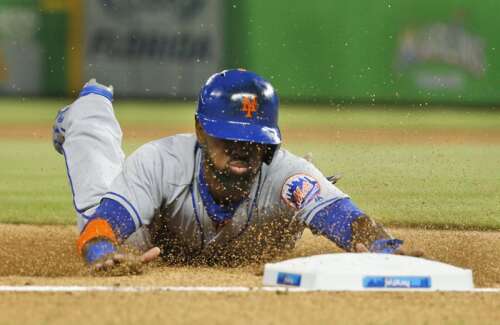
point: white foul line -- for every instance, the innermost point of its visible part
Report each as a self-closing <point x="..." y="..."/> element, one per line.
<point x="32" y="288"/>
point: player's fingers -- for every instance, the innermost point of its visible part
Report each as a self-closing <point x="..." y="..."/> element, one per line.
<point x="150" y="255"/>
<point x="108" y="264"/>
<point x="101" y="267"/>
<point x="418" y="253"/>
<point x="119" y="258"/>
<point x="360" y="248"/>
<point x="97" y="267"/>
<point x="414" y="253"/>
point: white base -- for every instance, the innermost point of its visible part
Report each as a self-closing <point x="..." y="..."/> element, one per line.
<point x="366" y="271"/>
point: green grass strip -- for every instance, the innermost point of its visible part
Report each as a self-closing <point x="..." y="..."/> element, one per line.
<point x="412" y="185"/>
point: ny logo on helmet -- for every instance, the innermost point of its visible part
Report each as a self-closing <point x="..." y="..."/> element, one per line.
<point x="249" y="105"/>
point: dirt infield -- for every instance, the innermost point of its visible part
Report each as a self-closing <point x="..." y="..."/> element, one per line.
<point x="45" y="255"/>
<point x="255" y="308"/>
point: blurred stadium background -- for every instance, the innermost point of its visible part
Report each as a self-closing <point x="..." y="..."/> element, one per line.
<point x="394" y="51"/>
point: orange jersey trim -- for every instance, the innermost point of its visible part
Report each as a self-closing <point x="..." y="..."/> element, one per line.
<point x="97" y="228"/>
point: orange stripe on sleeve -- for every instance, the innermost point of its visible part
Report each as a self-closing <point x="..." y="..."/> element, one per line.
<point x="97" y="228"/>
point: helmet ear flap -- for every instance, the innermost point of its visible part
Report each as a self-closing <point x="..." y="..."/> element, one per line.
<point x="270" y="152"/>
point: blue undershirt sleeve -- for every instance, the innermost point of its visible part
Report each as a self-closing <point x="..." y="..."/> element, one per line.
<point x="334" y="221"/>
<point x="98" y="249"/>
<point x="117" y="216"/>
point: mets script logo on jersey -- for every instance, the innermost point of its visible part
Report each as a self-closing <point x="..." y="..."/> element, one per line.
<point x="249" y="105"/>
<point x="299" y="190"/>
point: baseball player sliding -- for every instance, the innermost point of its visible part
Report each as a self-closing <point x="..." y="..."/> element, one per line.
<point x="224" y="195"/>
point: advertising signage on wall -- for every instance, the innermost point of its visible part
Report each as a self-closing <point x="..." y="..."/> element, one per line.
<point x="441" y="56"/>
<point x="153" y="48"/>
<point x="374" y="51"/>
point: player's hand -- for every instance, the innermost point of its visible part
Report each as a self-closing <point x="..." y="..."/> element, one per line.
<point x="124" y="263"/>
<point x="361" y="248"/>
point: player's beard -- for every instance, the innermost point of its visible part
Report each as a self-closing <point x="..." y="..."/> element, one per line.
<point x="229" y="180"/>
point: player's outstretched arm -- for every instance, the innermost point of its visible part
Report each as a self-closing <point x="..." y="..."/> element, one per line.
<point x="344" y="223"/>
<point x="327" y="211"/>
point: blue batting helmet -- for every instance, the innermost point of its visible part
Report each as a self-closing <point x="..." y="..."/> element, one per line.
<point x="239" y="105"/>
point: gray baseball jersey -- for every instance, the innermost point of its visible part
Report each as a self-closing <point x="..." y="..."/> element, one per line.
<point x="158" y="186"/>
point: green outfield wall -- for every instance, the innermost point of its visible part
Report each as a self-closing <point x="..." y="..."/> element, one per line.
<point x="422" y="51"/>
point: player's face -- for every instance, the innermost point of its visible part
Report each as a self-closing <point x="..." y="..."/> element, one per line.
<point x="232" y="159"/>
<point x="237" y="158"/>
